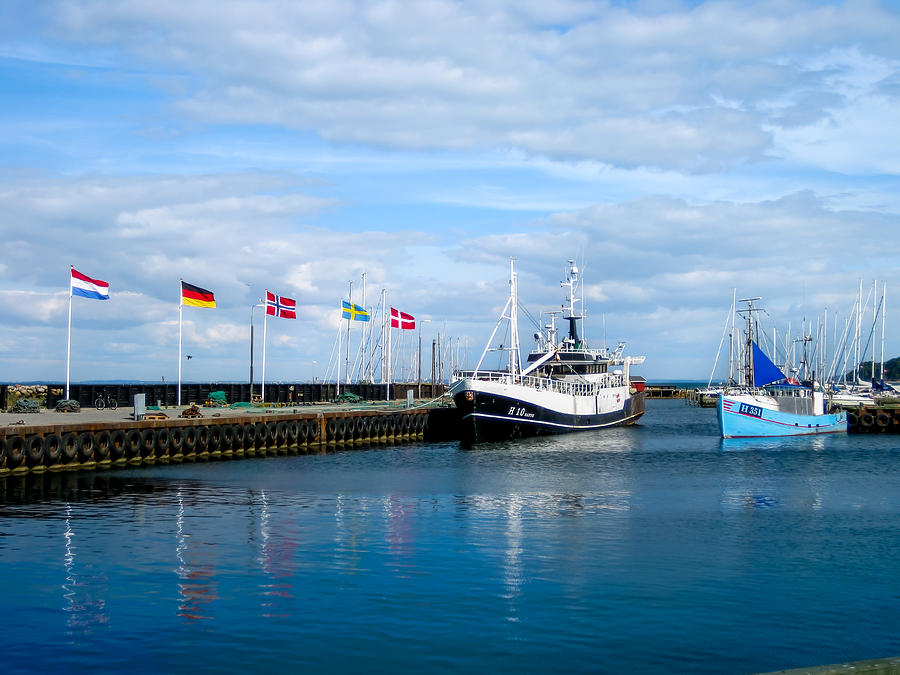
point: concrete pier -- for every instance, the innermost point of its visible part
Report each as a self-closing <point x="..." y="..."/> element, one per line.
<point x="50" y="441"/>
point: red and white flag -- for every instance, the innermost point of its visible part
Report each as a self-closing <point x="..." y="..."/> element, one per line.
<point x="277" y="305"/>
<point x="402" y="320"/>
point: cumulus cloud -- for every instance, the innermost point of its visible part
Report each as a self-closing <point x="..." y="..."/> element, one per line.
<point x="697" y="88"/>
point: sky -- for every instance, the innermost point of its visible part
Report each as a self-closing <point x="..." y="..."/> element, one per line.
<point x="680" y="152"/>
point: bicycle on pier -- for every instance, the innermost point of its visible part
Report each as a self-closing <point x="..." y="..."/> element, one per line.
<point x="108" y="401"/>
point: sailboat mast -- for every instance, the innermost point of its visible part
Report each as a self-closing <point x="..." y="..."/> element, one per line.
<point x="883" y="317"/>
<point x="874" y="321"/>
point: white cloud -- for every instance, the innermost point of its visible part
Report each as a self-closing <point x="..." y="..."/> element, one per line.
<point x="674" y="87"/>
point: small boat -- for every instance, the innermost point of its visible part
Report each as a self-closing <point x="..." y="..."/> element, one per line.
<point x="767" y="403"/>
<point x="565" y="386"/>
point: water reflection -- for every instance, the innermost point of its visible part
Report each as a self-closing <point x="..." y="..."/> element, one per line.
<point x="83" y="593"/>
<point x="197" y="589"/>
<point x="512" y="557"/>
<point x="277" y="561"/>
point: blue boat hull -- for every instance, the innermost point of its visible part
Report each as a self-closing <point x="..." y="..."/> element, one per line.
<point x="761" y="422"/>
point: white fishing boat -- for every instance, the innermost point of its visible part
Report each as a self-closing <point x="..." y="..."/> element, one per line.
<point x="564" y="386"/>
<point x="767" y="403"/>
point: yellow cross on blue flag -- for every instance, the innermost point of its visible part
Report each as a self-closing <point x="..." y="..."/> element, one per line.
<point x="353" y="312"/>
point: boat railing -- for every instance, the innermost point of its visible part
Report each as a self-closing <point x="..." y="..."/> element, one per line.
<point x="567" y="387"/>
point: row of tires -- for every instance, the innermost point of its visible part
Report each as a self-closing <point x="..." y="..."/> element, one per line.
<point x="96" y="446"/>
<point x="879" y="420"/>
<point x="361" y="428"/>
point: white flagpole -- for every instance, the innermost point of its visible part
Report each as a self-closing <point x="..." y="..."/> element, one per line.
<point x="349" y="323"/>
<point x="337" y="380"/>
<point x="265" y="323"/>
<point x="383" y="337"/>
<point x="69" y="332"/>
<point x="390" y="356"/>
<point x="180" y="316"/>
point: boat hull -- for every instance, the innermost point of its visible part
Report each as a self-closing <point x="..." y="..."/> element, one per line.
<point x="739" y="419"/>
<point x="497" y="416"/>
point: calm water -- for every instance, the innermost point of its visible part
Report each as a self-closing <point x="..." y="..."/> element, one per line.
<point x="654" y="548"/>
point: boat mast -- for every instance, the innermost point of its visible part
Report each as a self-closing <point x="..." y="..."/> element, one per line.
<point x="874" y="322"/>
<point x="515" y="365"/>
<point x="748" y="372"/>
<point x="883" y="317"/>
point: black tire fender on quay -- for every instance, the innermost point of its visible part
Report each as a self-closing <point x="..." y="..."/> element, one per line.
<point x="15" y="451"/>
<point x="133" y="443"/>
<point x="227" y="437"/>
<point x="176" y="440"/>
<point x="315" y="430"/>
<point x="101" y="445"/>
<point x="866" y="420"/>
<point x="85" y="446"/>
<point x="215" y="437"/>
<point x="239" y="436"/>
<point x="69" y="445"/>
<point x="2" y="450"/>
<point x="281" y="433"/>
<point x="331" y="428"/>
<point x="261" y="435"/>
<point x="852" y="419"/>
<point x="163" y="442"/>
<point x="148" y="442"/>
<point x="203" y="439"/>
<point x="52" y="448"/>
<point x="117" y="444"/>
<point x="293" y="432"/>
<point x="34" y="450"/>
<point x="303" y="431"/>
<point x="883" y="420"/>
<point x="250" y="435"/>
<point x="191" y="435"/>
<point x="272" y="439"/>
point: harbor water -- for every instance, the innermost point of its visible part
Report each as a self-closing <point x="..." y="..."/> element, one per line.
<point x="655" y="548"/>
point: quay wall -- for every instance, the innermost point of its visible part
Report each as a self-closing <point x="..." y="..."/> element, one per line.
<point x="287" y="393"/>
<point x="85" y="445"/>
<point x="873" y="419"/>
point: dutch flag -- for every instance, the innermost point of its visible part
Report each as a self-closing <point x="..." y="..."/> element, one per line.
<point x="86" y="287"/>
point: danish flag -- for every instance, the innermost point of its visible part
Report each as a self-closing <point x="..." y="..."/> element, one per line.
<point x="277" y="305"/>
<point x="402" y="320"/>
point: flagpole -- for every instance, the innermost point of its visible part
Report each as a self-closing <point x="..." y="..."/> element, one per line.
<point x="349" y="322"/>
<point x="265" y="323"/>
<point x="383" y="337"/>
<point x="390" y="356"/>
<point x="180" y="319"/>
<point x="69" y="332"/>
<point x="337" y="380"/>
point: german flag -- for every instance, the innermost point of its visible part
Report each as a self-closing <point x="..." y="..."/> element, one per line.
<point x="196" y="296"/>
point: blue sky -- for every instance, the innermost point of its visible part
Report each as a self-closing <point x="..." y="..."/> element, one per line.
<point x="678" y="150"/>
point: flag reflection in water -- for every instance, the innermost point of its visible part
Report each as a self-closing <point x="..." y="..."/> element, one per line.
<point x="197" y="589"/>
<point x="82" y="589"/>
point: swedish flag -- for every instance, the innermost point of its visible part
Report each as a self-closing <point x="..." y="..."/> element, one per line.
<point x="353" y="312"/>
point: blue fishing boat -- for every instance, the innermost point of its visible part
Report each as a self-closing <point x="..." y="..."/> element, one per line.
<point x="767" y="403"/>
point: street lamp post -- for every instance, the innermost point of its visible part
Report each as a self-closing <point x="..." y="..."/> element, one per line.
<point x="252" y="307"/>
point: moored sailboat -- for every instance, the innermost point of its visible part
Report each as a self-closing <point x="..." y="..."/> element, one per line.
<point x="563" y="387"/>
